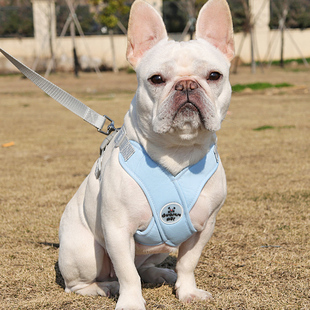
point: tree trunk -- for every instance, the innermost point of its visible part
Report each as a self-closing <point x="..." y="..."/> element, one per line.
<point x="115" y="68"/>
<point x="75" y="58"/>
<point x="253" y="63"/>
<point x="282" y="28"/>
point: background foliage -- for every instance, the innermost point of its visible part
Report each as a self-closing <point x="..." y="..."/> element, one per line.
<point x="298" y="13"/>
<point x="85" y="17"/>
<point x="16" y="21"/>
<point x="16" y="15"/>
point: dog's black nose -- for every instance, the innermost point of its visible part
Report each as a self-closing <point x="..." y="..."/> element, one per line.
<point x="186" y="85"/>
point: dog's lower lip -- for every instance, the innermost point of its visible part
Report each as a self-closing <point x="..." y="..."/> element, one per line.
<point x="187" y="105"/>
<point x="190" y="106"/>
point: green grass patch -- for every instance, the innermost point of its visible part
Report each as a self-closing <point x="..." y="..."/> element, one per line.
<point x="266" y="127"/>
<point x="300" y="61"/>
<point x="130" y="70"/>
<point x="258" y="86"/>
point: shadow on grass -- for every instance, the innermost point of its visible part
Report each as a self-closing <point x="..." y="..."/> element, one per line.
<point x="58" y="277"/>
<point x="169" y="263"/>
<point x="53" y="245"/>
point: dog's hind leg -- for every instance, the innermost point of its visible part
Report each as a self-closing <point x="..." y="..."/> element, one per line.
<point x="149" y="273"/>
<point x="83" y="262"/>
<point x="86" y="267"/>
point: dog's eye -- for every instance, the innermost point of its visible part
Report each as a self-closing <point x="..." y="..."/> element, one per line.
<point x="214" y="76"/>
<point x="157" y="79"/>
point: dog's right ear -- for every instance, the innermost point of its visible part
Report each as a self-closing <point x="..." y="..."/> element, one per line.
<point x="214" y="24"/>
<point x="145" y="29"/>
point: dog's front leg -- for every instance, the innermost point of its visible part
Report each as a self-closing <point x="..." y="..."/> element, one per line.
<point x="121" y="248"/>
<point x="188" y="257"/>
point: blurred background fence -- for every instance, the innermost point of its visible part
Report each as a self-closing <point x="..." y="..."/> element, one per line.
<point x="91" y="34"/>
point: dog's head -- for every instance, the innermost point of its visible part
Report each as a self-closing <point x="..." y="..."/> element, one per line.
<point x="183" y="87"/>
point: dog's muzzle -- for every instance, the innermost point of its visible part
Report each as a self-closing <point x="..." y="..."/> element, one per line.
<point x="187" y="97"/>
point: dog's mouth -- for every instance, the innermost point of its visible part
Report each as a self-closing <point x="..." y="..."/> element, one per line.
<point x="187" y="109"/>
<point x="187" y="115"/>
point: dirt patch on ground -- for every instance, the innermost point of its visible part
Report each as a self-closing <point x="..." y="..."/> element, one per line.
<point x="259" y="255"/>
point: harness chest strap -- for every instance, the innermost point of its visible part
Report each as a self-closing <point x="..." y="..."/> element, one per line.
<point x="171" y="197"/>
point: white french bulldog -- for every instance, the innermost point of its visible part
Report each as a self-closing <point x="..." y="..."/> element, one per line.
<point x="159" y="184"/>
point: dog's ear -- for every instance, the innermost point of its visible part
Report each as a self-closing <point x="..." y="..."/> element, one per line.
<point x="214" y="24"/>
<point x="145" y="29"/>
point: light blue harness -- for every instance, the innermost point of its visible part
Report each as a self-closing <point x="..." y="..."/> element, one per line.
<point x="171" y="197"/>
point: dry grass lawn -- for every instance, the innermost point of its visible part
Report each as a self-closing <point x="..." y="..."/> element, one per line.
<point x="259" y="255"/>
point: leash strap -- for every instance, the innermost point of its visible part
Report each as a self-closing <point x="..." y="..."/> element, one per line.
<point x="61" y="96"/>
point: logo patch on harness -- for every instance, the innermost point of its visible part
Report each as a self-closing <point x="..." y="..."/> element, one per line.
<point x="171" y="213"/>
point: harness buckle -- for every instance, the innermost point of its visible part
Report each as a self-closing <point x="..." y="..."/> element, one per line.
<point x="110" y="127"/>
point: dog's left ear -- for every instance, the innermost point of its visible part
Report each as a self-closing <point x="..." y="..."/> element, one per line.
<point x="145" y="29"/>
<point x="214" y="24"/>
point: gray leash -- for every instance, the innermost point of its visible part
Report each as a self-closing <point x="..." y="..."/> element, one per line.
<point x="61" y="96"/>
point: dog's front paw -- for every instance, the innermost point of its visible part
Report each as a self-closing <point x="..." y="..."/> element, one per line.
<point x="188" y="296"/>
<point x="130" y="302"/>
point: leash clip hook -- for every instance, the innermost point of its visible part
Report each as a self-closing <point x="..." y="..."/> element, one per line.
<point x="110" y="127"/>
